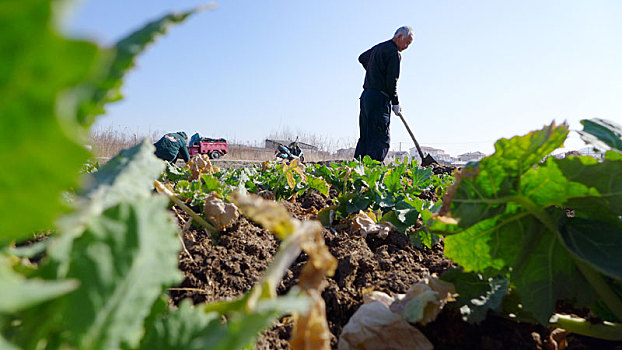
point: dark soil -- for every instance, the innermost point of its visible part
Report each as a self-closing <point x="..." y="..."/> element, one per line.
<point x="229" y="265"/>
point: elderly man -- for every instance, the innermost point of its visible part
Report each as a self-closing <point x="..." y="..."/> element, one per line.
<point x="382" y="65"/>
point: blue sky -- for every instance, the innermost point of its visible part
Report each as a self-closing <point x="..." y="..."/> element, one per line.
<point x="477" y="70"/>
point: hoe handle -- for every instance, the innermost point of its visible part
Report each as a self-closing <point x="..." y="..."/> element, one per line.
<point x="412" y="136"/>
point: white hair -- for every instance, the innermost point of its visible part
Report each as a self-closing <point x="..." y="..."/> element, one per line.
<point x="405" y="31"/>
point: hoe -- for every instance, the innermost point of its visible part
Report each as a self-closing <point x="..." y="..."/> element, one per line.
<point x="425" y="161"/>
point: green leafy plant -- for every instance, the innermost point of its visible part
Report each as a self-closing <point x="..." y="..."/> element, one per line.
<point x="509" y="215"/>
<point x="392" y="190"/>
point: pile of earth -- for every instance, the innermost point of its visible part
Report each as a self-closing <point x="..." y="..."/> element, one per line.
<point x="229" y="265"/>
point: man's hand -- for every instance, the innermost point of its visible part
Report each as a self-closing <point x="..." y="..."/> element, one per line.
<point x="397" y="109"/>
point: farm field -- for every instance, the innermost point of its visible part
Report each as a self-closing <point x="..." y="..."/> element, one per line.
<point x="229" y="253"/>
<point x="229" y="265"/>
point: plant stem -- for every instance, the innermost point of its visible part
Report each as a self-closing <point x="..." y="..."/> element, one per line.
<point x="346" y="179"/>
<point x="196" y="217"/>
<point x="602" y="288"/>
<point x="607" y="331"/>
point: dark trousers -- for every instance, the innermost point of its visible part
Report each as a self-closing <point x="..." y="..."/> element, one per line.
<point x="374" y="121"/>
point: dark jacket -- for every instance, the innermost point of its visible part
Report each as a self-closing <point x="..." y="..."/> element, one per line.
<point x="382" y="63"/>
<point x="172" y="146"/>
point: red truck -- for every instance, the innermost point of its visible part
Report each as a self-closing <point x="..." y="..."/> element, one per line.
<point x="214" y="148"/>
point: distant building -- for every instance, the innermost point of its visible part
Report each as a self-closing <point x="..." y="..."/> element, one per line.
<point x="471" y="156"/>
<point x="273" y="144"/>
<point x="441" y="156"/>
<point x="592" y="152"/>
<point x="436" y="153"/>
<point x="585" y="151"/>
<point x="345" y="153"/>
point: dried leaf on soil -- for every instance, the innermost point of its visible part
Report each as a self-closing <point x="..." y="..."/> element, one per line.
<point x="375" y="326"/>
<point x="424" y="300"/>
<point x="363" y="223"/>
<point x="222" y="215"/>
<point x="200" y="164"/>
<point x="275" y="218"/>
<point x="383" y="321"/>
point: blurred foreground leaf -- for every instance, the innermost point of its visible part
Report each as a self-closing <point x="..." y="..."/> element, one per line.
<point x="39" y="158"/>
<point x="122" y="247"/>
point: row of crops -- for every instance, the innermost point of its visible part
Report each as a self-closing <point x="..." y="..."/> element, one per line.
<point x="86" y="261"/>
<point x="395" y="195"/>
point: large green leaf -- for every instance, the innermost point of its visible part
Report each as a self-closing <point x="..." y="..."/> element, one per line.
<point x="545" y="274"/>
<point x="134" y="248"/>
<point x="477" y="248"/>
<point x="129" y="175"/>
<point x="422" y="177"/>
<point x="518" y="243"/>
<point x="596" y="243"/>
<point x="506" y="208"/>
<point x="105" y="86"/>
<point x="601" y="133"/>
<point x="483" y="190"/>
<point x="124" y="259"/>
<point x="393" y="178"/>
<point x="318" y="184"/>
<point x="547" y="186"/>
<point x="613" y="155"/>
<point x="39" y="159"/>
<point x="121" y="245"/>
<point x="403" y="216"/>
